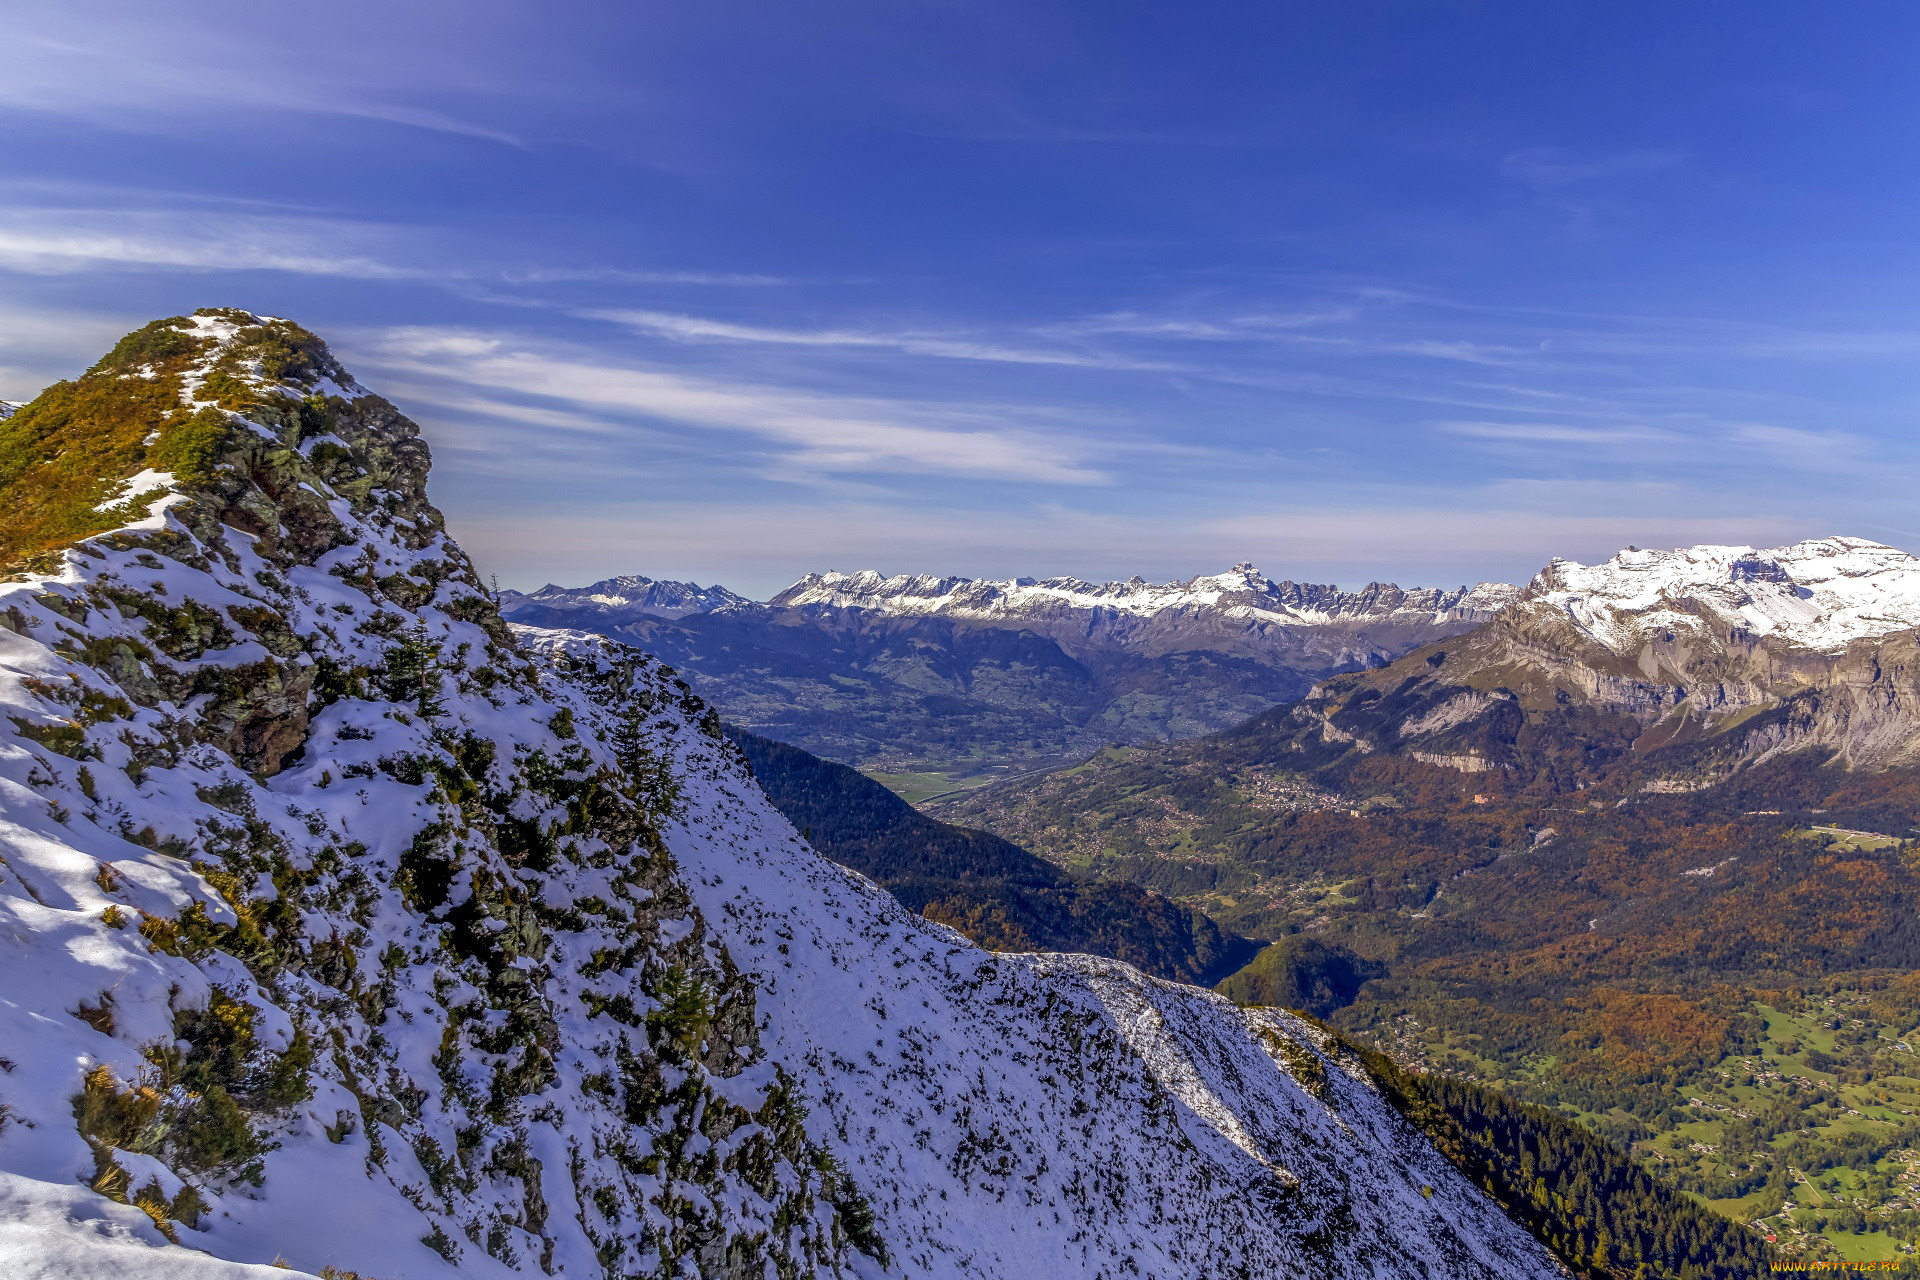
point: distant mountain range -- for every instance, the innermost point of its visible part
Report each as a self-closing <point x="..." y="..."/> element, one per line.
<point x="628" y="596"/>
<point x="1654" y="672"/>
<point x="929" y="673"/>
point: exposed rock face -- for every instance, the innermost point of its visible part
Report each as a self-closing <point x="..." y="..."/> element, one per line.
<point x="283" y="791"/>
<point x="339" y="924"/>
<point x="1692" y="662"/>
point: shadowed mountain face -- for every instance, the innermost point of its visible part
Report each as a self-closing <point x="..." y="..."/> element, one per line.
<point x="996" y="893"/>
<point x="952" y="673"/>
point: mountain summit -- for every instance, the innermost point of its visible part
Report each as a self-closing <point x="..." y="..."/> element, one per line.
<point x="1678" y="666"/>
<point x="1821" y="594"/>
<point x="344" y="926"/>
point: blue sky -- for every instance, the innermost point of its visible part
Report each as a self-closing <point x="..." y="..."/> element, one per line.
<point x="1427" y="292"/>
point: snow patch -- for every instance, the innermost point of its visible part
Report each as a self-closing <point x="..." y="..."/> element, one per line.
<point x="1821" y="594"/>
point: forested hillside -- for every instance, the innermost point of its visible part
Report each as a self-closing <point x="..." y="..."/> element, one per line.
<point x="1601" y="1214"/>
<point x="1707" y="976"/>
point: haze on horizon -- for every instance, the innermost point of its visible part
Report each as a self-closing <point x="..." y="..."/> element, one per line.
<point x="732" y="292"/>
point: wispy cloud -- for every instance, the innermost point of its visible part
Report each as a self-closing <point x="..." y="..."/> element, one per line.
<point x="138" y="69"/>
<point x="1236" y="328"/>
<point x="1558" y="433"/>
<point x="1796" y="447"/>
<point x="620" y="275"/>
<point x="63" y="241"/>
<point x="695" y="329"/>
<point x="54" y="242"/>
<point x="812" y="433"/>
<point x="1588" y="189"/>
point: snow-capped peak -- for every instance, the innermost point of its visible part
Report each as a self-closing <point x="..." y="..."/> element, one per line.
<point x="1242" y="591"/>
<point x="1820" y="594"/>
<point x="628" y="593"/>
<point x="7" y="409"/>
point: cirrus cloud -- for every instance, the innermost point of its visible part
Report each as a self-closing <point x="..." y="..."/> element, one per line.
<point x="811" y="432"/>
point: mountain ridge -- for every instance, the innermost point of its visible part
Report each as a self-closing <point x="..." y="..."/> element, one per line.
<point x="1820" y="593"/>
<point x="1243" y="589"/>
<point x="326" y="899"/>
<point x="660" y="598"/>
<point x="972" y="676"/>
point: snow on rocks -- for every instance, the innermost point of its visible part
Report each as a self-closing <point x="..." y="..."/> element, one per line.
<point x="1820" y="594"/>
<point x="1242" y="591"/>
<point x="1047" y="1115"/>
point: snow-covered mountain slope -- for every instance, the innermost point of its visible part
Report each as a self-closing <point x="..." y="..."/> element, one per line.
<point x="1241" y="593"/>
<point x="326" y="932"/>
<point x="1821" y="594"/>
<point x="1682" y="665"/>
<point x="7" y="409"/>
<point x="624" y="595"/>
<point x="1052" y="1115"/>
<point x="339" y="925"/>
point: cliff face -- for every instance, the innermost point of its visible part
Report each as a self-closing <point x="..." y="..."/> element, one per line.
<point x="340" y="924"/>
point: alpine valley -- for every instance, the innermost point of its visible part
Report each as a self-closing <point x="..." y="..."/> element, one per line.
<point x="1640" y="848"/>
<point x="932" y="682"/>
<point x="350" y="932"/>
